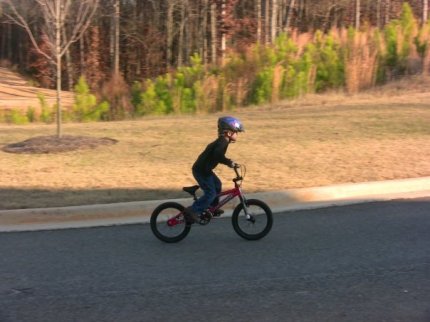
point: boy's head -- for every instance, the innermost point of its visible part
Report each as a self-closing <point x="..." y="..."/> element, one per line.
<point x="229" y="126"/>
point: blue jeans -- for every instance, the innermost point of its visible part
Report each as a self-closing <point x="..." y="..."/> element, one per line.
<point x="211" y="186"/>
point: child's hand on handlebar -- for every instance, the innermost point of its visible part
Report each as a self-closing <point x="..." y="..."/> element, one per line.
<point x="235" y="165"/>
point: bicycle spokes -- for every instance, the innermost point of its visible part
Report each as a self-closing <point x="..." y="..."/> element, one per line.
<point x="250" y="218"/>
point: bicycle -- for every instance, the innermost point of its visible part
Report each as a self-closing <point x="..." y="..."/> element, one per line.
<point x="251" y="219"/>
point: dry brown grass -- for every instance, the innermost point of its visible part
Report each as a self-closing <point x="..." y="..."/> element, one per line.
<point x="16" y="93"/>
<point x="318" y="140"/>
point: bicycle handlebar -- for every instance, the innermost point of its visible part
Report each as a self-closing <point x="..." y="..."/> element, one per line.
<point x="239" y="177"/>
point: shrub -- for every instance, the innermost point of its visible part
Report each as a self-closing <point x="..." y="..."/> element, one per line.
<point x="31" y="114"/>
<point x="326" y="54"/>
<point x="85" y="102"/>
<point x="117" y="93"/>
<point x="46" y="112"/>
<point x="149" y="101"/>
<point x="16" y="117"/>
<point x="399" y="38"/>
<point x="261" y="91"/>
<point x="85" y="108"/>
<point x="136" y="95"/>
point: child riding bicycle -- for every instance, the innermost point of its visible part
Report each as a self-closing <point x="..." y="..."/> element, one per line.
<point x="228" y="129"/>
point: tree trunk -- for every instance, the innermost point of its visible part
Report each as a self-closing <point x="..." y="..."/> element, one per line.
<point x="425" y="11"/>
<point x="274" y="20"/>
<point x="181" y="35"/>
<point x="82" y="54"/>
<point x="378" y="14"/>
<point x="9" y="46"/>
<point x="204" y="27"/>
<point x="266" y="21"/>
<point x="116" y="46"/>
<point x="169" y="29"/>
<point x="357" y="14"/>
<point x="258" y="18"/>
<point x="213" y="33"/>
<point x="387" y="11"/>
<point x="223" y="35"/>
<point x="69" y="66"/>
<point x="288" y="15"/>
<point x="188" y="40"/>
<point x="58" y="23"/>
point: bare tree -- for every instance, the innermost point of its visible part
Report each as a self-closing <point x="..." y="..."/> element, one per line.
<point x="223" y="33"/>
<point x="288" y="14"/>
<point x="387" y="11"/>
<point x="425" y="11"/>
<point x="64" y="24"/>
<point x="267" y="21"/>
<point x="204" y="26"/>
<point x="214" y="31"/>
<point x="258" y="18"/>
<point x="169" y="29"/>
<point x="274" y="21"/>
<point x="116" y="17"/>
<point x="182" y="24"/>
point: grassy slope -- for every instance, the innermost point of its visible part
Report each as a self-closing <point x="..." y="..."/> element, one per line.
<point x="318" y="140"/>
<point x="15" y="93"/>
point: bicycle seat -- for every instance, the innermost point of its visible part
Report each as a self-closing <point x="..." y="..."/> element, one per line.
<point x="191" y="190"/>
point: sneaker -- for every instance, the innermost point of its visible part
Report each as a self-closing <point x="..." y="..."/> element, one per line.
<point x="191" y="216"/>
<point x="218" y="212"/>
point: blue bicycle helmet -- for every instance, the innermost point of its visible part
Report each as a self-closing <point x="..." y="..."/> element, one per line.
<point x="229" y="123"/>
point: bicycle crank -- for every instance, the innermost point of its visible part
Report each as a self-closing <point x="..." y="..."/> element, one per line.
<point x="205" y="218"/>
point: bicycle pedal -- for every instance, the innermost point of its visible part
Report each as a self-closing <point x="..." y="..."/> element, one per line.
<point x="205" y="218"/>
<point x="204" y="221"/>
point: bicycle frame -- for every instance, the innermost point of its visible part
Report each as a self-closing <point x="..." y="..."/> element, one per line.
<point x="225" y="197"/>
<point x="228" y="196"/>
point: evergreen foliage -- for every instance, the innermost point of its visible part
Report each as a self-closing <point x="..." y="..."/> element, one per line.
<point x="85" y="108"/>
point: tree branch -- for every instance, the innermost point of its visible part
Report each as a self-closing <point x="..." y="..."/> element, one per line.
<point x="18" y="19"/>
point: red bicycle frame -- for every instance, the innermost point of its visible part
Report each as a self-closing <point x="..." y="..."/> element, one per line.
<point x="228" y="196"/>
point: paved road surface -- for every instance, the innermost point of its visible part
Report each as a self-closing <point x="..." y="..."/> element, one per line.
<point x="368" y="262"/>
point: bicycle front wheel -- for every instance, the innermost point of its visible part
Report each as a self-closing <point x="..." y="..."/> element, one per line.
<point x="168" y="223"/>
<point x="258" y="222"/>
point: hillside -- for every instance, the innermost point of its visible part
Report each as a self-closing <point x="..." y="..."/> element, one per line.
<point x="15" y="93"/>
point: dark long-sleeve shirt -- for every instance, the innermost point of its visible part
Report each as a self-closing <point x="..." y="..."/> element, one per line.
<point x="212" y="156"/>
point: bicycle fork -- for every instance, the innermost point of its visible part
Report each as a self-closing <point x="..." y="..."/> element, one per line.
<point x="248" y="216"/>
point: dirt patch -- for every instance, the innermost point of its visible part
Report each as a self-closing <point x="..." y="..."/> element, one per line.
<point x="54" y="144"/>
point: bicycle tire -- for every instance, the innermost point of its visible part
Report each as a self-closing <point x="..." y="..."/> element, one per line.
<point x="159" y="223"/>
<point x="252" y="230"/>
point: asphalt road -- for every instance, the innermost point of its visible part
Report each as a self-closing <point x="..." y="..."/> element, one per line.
<point x="368" y="262"/>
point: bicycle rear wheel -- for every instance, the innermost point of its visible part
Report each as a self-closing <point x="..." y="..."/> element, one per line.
<point x="168" y="223"/>
<point x="259" y="223"/>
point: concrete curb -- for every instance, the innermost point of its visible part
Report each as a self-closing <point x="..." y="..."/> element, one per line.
<point x="279" y="201"/>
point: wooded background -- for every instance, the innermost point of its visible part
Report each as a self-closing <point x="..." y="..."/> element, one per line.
<point x="126" y="58"/>
<point x="145" y="38"/>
